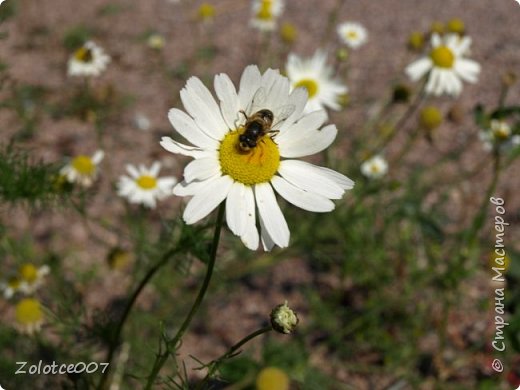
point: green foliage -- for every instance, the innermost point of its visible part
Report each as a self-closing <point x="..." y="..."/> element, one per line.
<point x="75" y="37"/>
<point x="24" y="180"/>
<point x="8" y="10"/>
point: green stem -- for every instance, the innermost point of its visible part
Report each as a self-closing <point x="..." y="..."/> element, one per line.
<point x="172" y="344"/>
<point x="115" y="341"/>
<point x="230" y="353"/>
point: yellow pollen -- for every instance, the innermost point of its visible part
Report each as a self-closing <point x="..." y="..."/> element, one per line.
<point x="84" y="54"/>
<point x="352" y="35"/>
<point x="146" y="182"/>
<point x="265" y="12"/>
<point x="442" y="57"/>
<point x="84" y="165"/>
<point x="310" y="85"/>
<point x="375" y="168"/>
<point x="29" y="272"/>
<point x="28" y="311"/>
<point x="255" y="166"/>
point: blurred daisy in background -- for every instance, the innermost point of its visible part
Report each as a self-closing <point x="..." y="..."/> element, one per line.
<point x="247" y="177"/>
<point x="265" y="14"/>
<point x="316" y="77"/>
<point x="143" y="186"/>
<point x="352" y="34"/>
<point x="272" y="378"/>
<point x="499" y="136"/>
<point x="89" y="60"/>
<point x="155" y="41"/>
<point x="82" y="169"/>
<point x="375" y="167"/>
<point x="28" y="279"/>
<point x="29" y="316"/>
<point x="445" y="65"/>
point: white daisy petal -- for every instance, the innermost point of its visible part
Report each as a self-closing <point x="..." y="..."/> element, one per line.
<point x="250" y="236"/>
<point x="306" y="200"/>
<point x="228" y="97"/>
<point x="186" y="150"/>
<point x="201" y="169"/>
<point x="307" y="124"/>
<point x="249" y="84"/>
<point x="207" y="199"/>
<point x="271" y="215"/>
<point x="311" y="144"/>
<point x="235" y="209"/>
<point x="416" y="70"/>
<point x="186" y="126"/>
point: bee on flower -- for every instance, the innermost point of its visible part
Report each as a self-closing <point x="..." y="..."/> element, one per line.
<point x="246" y="147"/>
<point x="83" y="169"/>
<point x="317" y="78"/>
<point x="144" y="186"/>
<point x="265" y="14"/>
<point x="89" y="60"/>
<point x="445" y="65"/>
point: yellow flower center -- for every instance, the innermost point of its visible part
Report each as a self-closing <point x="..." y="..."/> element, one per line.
<point x="265" y="12"/>
<point x="29" y="272"/>
<point x="84" y="54"/>
<point x="146" y="182"/>
<point x="352" y="35"/>
<point x="310" y="85"/>
<point x="375" y="168"/>
<point x="84" y="165"/>
<point x="28" y="311"/>
<point x="206" y="11"/>
<point x="272" y="378"/>
<point x="442" y="57"/>
<point x="257" y="165"/>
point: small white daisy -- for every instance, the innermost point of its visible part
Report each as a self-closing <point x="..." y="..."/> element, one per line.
<point x="31" y="277"/>
<point x="229" y="164"/>
<point x="375" y="167"/>
<point x="445" y="65"/>
<point x="265" y="14"/>
<point x="11" y="287"/>
<point x="144" y="186"/>
<point x="89" y="60"/>
<point x="83" y="169"/>
<point x="352" y="34"/>
<point x="317" y="78"/>
<point x="499" y="136"/>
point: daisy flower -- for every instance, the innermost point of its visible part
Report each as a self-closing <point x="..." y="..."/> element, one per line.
<point x="265" y="13"/>
<point x="31" y="277"/>
<point x="11" y="287"/>
<point x="247" y="177"/>
<point x="88" y="60"/>
<point x="83" y="169"/>
<point x="445" y="65"/>
<point x="316" y="77"/>
<point x="144" y="186"/>
<point x="29" y="316"/>
<point x="352" y="34"/>
<point x="375" y="167"/>
<point x="499" y="136"/>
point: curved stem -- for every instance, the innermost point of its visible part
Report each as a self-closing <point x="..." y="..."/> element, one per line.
<point x="230" y="353"/>
<point x="172" y="344"/>
<point x="128" y="308"/>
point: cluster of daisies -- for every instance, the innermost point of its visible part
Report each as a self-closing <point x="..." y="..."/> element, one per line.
<point x="21" y="287"/>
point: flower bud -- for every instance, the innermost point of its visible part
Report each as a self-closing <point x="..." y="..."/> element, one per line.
<point x="430" y="118"/>
<point x="283" y="319"/>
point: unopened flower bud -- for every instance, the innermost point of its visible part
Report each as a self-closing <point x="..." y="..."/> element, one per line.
<point x="430" y="118"/>
<point x="283" y="319"/>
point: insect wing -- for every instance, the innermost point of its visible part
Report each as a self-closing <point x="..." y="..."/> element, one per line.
<point x="282" y="113"/>
<point x="258" y="101"/>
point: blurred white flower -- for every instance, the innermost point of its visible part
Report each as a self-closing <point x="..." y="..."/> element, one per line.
<point x="143" y="185"/>
<point x="89" y="60"/>
<point x="499" y="136"/>
<point x="375" y="167"/>
<point x="445" y="65"/>
<point x="352" y="34"/>
<point x="82" y="169"/>
<point x="142" y="122"/>
<point x="265" y="14"/>
<point x="316" y="77"/>
<point x="245" y="168"/>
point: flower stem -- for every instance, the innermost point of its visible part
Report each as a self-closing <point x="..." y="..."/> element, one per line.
<point x="214" y="365"/>
<point x="172" y="344"/>
<point x="115" y="341"/>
